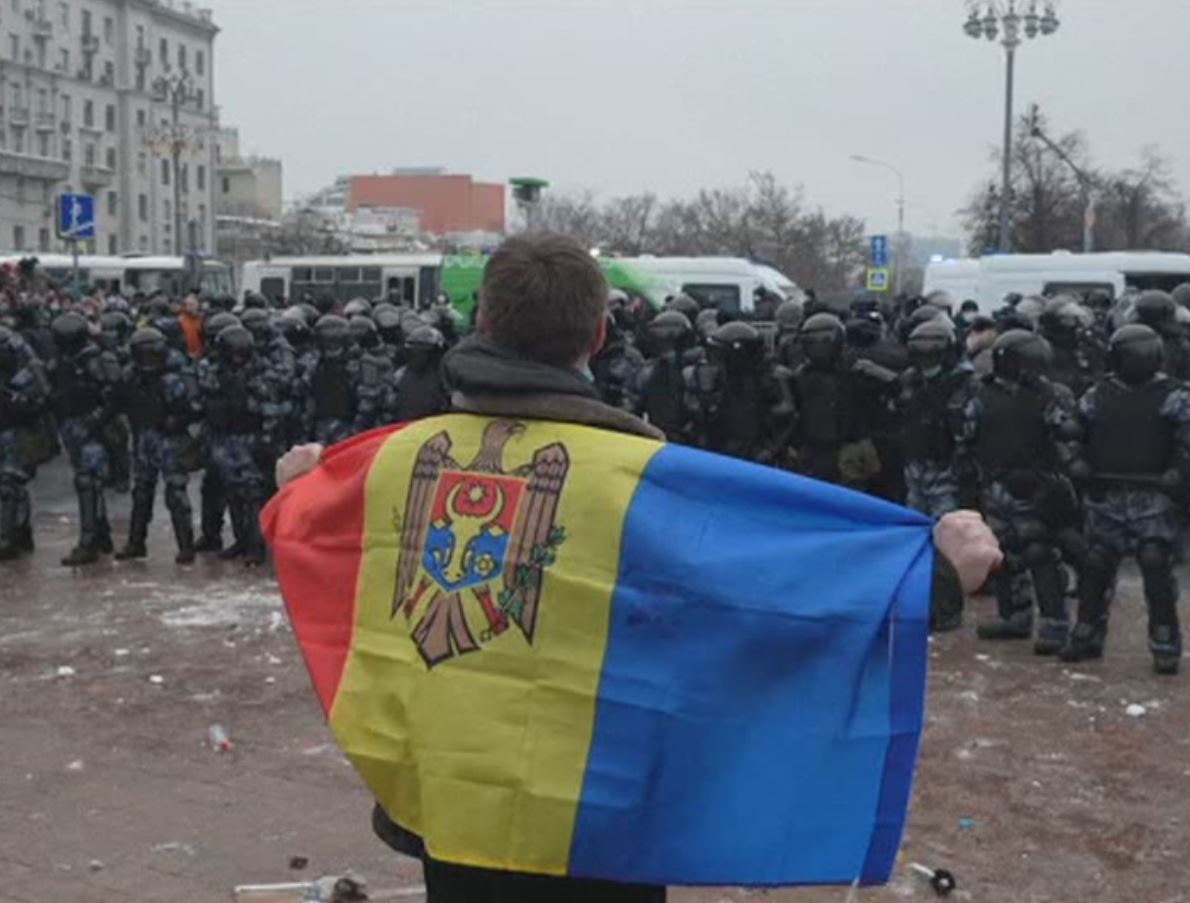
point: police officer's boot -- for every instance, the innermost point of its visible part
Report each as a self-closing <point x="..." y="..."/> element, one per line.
<point x="103" y="529"/>
<point x="235" y="510"/>
<point x="1161" y="596"/>
<point x="9" y="544"/>
<point x="138" y="526"/>
<point x="254" y="550"/>
<point x="1165" y="642"/>
<point x="1051" y="604"/>
<point x="1014" y="617"/>
<point x="184" y="533"/>
<point x="24" y="525"/>
<point x="1085" y="642"/>
<point x="86" y="551"/>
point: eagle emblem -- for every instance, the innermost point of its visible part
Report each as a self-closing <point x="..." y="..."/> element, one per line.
<point x="479" y="538"/>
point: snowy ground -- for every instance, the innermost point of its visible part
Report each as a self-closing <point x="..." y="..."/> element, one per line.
<point x="1038" y="782"/>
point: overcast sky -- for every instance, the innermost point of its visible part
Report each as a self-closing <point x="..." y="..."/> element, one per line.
<point x="623" y="96"/>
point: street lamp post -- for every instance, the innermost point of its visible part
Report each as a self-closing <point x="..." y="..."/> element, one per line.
<point x="898" y="250"/>
<point x="1086" y="181"/>
<point x="1013" y="18"/>
<point x="176" y="89"/>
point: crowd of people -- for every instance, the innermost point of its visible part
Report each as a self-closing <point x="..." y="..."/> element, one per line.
<point x="1065" y="421"/>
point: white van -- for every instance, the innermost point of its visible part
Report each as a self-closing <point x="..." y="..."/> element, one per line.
<point x="726" y="283"/>
<point x="988" y="279"/>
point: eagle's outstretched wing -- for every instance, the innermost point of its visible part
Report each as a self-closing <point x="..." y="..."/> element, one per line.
<point x="532" y="535"/>
<point x="433" y="458"/>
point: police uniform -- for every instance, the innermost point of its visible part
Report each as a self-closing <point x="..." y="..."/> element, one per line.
<point x="26" y="439"/>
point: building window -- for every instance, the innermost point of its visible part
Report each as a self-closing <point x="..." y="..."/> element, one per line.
<point x="43" y="144"/>
<point x="142" y="164"/>
<point x="113" y="203"/>
<point x="113" y="245"/>
<point x="14" y="46"/>
<point x="86" y="23"/>
<point x="142" y="207"/>
<point x="43" y="100"/>
<point x="164" y="172"/>
<point x="169" y="213"/>
<point x="109" y="118"/>
<point x="140" y="79"/>
<point x="200" y="178"/>
<point x="88" y="114"/>
<point x="200" y="62"/>
<point x="18" y="140"/>
<point x="67" y="149"/>
<point x="144" y="243"/>
<point x="109" y="30"/>
<point x="226" y="185"/>
<point x="184" y="177"/>
<point x="16" y="94"/>
<point x="43" y="239"/>
<point x="182" y="57"/>
<point x="64" y="65"/>
<point x="164" y="53"/>
<point x="111" y="159"/>
<point x="18" y="238"/>
<point x="66" y="111"/>
<point x="64" y="16"/>
<point x="109" y="72"/>
<point x="89" y="155"/>
<point x="140" y="37"/>
<point x="200" y="98"/>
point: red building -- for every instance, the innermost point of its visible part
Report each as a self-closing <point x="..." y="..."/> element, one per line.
<point x="447" y="203"/>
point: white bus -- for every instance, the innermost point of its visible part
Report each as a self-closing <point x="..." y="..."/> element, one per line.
<point x="729" y="284"/>
<point x="412" y="278"/>
<point x="987" y="280"/>
<point x="132" y="274"/>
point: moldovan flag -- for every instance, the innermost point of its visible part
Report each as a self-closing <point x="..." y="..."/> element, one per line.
<point x="555" y="649"/>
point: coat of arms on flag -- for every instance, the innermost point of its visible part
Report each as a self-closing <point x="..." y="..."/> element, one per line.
<point x="477" y="534"/>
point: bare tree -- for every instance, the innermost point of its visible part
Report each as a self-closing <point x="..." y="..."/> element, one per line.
<point x="1141" y="207"/>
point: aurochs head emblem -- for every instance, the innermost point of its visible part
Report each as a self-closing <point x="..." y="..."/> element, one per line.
<point x="477" y="539"/>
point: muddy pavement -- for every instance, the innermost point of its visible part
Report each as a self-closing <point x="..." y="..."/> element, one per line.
<point x="1038" y="781"/>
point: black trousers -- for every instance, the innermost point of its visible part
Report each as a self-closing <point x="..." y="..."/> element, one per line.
<point x="458" y="884"/>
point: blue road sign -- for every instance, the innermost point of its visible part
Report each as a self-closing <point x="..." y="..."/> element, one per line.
<point x="879" y="251"/>
<point x="76" y="216"/>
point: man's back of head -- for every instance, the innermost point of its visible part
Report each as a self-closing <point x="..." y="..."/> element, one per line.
<point x="544" y="298"/>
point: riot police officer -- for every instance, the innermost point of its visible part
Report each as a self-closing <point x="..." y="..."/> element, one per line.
<point x="739" y="404"/>
<point x="26" y="439"/>
<point x="1017" y="442"/>
<point x="1134" y="464"/>
<point x="212" y="494"/>
<point x="237" y="394"/>
<point x="1064" y="325"/>
<point x="660" y="393"/>
<point x="787" y="347"/>
<point x="86" y="397"/>
<point x="115" y="328"/>
<point x="161" y="405"/>
<point x="375" y="374"/>
<point x="388" y="320"/>
<point x="330" y="385"/>
<point x="616" y="368"/>
<point x="418" y="389"/>
<point x="1159" y="311"/>
<point x="935" y="391"/>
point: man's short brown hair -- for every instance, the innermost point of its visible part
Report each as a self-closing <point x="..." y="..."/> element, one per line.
<point x="543" y="297"/>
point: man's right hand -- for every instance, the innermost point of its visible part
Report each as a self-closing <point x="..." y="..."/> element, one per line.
<point x="298" y="461"/>
<point x="966" y="541"/>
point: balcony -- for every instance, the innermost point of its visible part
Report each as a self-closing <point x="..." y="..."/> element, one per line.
<point x="96" y="177"/>
<point x="90" y="43"/>
<point x="45" y="122"/>
<point x="43" y="29"/>
<point x="18" y="115"/>
<point x="42" y="169"/>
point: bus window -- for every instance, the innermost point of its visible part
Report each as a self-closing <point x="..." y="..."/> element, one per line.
<point x="349" y="274"/>
<point x="324" y="276"/>
<point x="724" y="297"/>
<point x="1079" y="289"/>
<point x="428" y="287"/>
<point x="273" y="288"/>
<point x="371" y="274"/>
<point x="1165" y="282"/>
<point x="303" y="274"/>
<point x="404" y="288"/>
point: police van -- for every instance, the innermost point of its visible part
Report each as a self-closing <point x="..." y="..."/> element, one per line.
<point x="729" y="284"/>
<point x="988" y="280"/>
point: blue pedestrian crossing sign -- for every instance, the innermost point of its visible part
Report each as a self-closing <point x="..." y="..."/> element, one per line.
<point x="76" y="216"/>
<point x="879" y="251"/>
<point x="878" y="279"/>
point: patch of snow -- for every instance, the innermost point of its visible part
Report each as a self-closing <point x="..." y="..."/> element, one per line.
<point x="156" y="679"/>
<point x="65" y="671"/>
<point x="76" y="765"/>
<point x="216" y="606"/>
<point x="1135" y="711"/>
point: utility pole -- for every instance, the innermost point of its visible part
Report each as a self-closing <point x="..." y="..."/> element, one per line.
<point x="898" y="250"/>
<point x="177" y="90"/>
<point x="1085" y="180"/>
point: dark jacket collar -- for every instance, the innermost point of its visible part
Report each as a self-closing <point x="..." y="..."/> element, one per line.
<point x="488" y="380"/>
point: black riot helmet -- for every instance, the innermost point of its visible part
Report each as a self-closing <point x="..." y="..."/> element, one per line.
<point x="707" y="323"/>
<point x="324" y="304"/>
<point x="738" y="341"/>
<point x="822" y="338"/>
<point x="1137" y="353"/>
<point x="217" y="323"/>
<point x="12" y="357"/>
<point x="933" y="346"/>
<point x="388" y="322"/>
<point x="310" y="312"/>
<point x="364" y="332"/>
<point x="1181" y="295"/>
<point x="333" y="335"/>
<point x="1020" y="356"/>
<point x="255" y="301"/>
<point x="423" y="347"/>
<point x="70" y="333"/>
<point x="115" y="327"/>
<point x="235" y="345"/>
<point x="357" y="307"/>
<point x="258" y="322"/>
<point x="670" y="330"/>
<point x="1157" y="310"/>
<point x="684" y="305"/>
<point x="169" y="327"/>
<point x="788" y="317"/>
<point x="865" y="329"/>
<point x="292" y="324"/>
<point x="149" y="349"/>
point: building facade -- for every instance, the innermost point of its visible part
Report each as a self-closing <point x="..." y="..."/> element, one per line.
<point x="113" y="98"/>
<point x="448" y="204"/>
<point x="246" y="186"/>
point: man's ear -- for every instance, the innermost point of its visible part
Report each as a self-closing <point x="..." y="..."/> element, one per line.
<point x="600" y="337"/>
